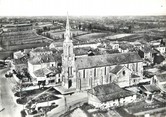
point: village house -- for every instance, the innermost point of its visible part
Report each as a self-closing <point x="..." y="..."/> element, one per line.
<point x="19" y="65"/>
<point x="125" y="47"/>
<point x="161" y="49"/>
<point x="146" y="53"/>
<point x="49" y="75"/>
<point x="56" y="45"/>
<point x="39" y="62"/>
<point x="160" y="81"/>
<point x="18" y="55"/>
<point x="109" y="96"/>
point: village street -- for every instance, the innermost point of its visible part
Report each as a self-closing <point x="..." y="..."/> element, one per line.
<point x="8" y="106"/>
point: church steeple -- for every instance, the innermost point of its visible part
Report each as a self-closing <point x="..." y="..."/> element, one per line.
<point x="67" y="33"/>
<point x="68" y="60"/>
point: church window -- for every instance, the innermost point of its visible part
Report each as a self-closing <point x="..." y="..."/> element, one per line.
<point x="124" y="73"/>
<point x="110" y="78"/>
<point x="70" y="71"/>
<point x="69" y="50"/>
<point x="105" y="70"/>
<point x="84" y="73"/>
<point x="95" y="72"/>
<point x="136" y="67"/>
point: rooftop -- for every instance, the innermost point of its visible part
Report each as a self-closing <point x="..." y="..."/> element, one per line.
<point x="107" y="60"/>
<point x="42" y="59"/>
<point x="41" y="49"/>
<point x="109" y="92"/>
<point x="151" y="88"/>
<point x="22" y="60"/>
<point x="147" y="49"/>
<point x="134" y="76"/>
<point x="45" y="71"/>
<point x="125" y="46"/>
<point x="161" y="77"/>
<point x="116" y="69"/>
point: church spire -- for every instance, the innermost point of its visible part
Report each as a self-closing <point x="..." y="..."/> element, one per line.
<point x="67" y="33"/>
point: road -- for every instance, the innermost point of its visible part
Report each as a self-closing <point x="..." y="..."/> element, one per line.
<point x="71" y="100"/>
<point x="8" y="106"/>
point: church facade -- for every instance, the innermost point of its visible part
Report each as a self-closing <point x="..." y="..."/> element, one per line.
<point x="81" y="73"/>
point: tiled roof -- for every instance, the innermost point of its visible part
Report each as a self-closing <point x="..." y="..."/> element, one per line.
<point x="41" y="49"/>
<point x="125" y="46"/>
<point x="161" y="77"/>
<point x="107" y="60"/>
<point x="116" y="69"/>
<point x="57" y="44"/>
<point x="134" y="76"/>
<point x="22" y="60"/>
<point x="147" y="49"/>
<point x="81" y="51"/>
<point x="44" y="71"/>
<point x="109" y="92"/>
<point x="42" y="59"/>
<point x="19" y="54"/>
<point x="151" y="88"/>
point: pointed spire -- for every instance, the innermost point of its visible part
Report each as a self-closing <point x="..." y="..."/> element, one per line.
<point x="67" y="33"/>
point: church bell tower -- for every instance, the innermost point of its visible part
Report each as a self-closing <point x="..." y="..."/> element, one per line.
<point x="68" y="60"/>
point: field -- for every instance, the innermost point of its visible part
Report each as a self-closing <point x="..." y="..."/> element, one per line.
<point x="5" y="54"/>
<point x="27" y="46"/>
<point x="126" y="37"/>
<point x="92" y="36"/>
<point x="58" y="34"/>
<point x="117" y="36"/>
<point x="8" y="53"/>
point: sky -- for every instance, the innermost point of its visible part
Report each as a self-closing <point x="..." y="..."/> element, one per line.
<point x="82" y="7"/>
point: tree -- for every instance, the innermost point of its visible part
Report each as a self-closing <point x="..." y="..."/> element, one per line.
<point x="162" y="42"/>
<point x="43" y="83"/>
<point x="90" y="27"/>
<point x="79" y="26"/>
<point x="39" y="83"/>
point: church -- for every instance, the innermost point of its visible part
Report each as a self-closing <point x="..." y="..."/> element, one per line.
<point x="86" y="72"/>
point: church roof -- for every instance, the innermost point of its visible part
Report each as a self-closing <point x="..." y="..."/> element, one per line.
<point x="116" y="69"/>
<point x="107" y="60"/>
<point x="109" y="92"/>
<point x="161" y="77"/>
